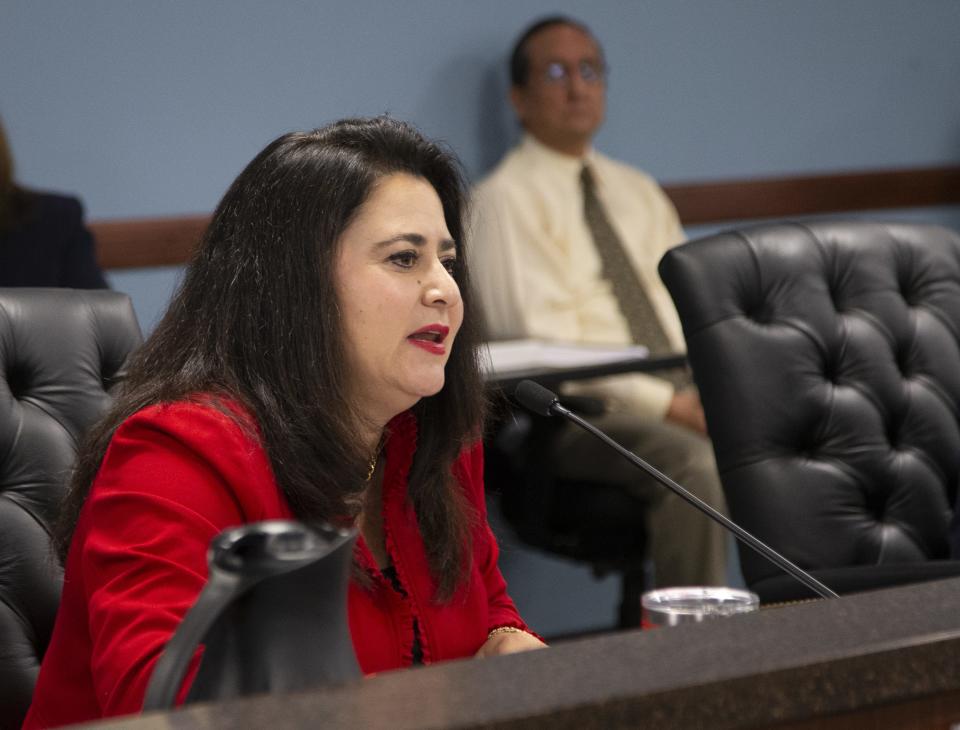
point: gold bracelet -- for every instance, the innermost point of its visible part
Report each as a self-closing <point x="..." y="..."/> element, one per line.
<point x="505" y="630"/>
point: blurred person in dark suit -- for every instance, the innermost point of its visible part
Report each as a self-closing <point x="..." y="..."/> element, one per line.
<point x="43" y="240"/>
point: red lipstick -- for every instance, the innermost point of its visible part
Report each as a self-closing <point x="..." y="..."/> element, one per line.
<point x="430" y="338"/>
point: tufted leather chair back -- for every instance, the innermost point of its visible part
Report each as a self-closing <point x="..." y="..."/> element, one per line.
<point x="61" y="350"/>
<point x="828" y="361"/>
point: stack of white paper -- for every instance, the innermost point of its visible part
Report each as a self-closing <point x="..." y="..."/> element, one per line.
<point x="516" y="355"/>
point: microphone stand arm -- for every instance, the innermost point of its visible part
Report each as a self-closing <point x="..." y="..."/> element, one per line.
<point x="768" y="552"/>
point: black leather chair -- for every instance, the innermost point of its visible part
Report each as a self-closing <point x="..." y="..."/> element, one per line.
<point x="61" y="350"/>
<point x="588" y="522"/>
<point x="828" y="361"/>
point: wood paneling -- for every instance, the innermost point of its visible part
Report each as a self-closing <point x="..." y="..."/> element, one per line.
<point x="142" y="242"/>
<point x="147" y="242"/>
<point x="730" y="200"/>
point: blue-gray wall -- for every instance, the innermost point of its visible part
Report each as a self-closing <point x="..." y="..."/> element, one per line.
<point x="151" y="108"/>
<point x="148" y="108"/>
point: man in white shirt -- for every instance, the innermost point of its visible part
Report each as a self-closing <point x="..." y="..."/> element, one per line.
<point x="565" y="246"/>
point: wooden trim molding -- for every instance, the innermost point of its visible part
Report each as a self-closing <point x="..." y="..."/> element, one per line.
<point x="730" y="200"/>
<point x="146" y="242"/>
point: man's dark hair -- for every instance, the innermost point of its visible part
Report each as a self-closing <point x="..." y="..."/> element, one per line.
<point x="520" y="60"/>
<point x="257" y="321"/>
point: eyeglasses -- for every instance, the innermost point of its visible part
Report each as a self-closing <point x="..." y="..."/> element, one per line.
<point x="590" y="72"/>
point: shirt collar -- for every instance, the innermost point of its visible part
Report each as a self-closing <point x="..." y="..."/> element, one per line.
<point x="563" y="164"/>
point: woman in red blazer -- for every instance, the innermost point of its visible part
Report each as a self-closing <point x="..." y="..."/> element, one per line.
<point x="319" y="362"/>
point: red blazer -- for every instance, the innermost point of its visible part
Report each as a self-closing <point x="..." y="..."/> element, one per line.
<point x="176" y="475"/>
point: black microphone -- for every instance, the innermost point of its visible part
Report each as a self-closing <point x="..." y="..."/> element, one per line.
<point x="538" y="399"/>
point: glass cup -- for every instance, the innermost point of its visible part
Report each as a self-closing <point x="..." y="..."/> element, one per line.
<point x="693" y="604"/>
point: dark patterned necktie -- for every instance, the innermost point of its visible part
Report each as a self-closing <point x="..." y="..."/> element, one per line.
<point x="638" y="311"/>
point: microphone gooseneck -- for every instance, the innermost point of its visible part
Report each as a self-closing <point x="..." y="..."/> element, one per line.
<point x="538" y="399"/>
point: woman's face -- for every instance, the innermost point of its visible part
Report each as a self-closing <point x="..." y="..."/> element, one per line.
<point x="400" y="305"/>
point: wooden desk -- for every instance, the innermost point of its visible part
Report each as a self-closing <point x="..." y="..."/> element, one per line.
<point x="887" y="659"/>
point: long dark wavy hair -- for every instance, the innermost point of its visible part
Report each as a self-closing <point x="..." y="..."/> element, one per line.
<point x="257" y="320"/>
